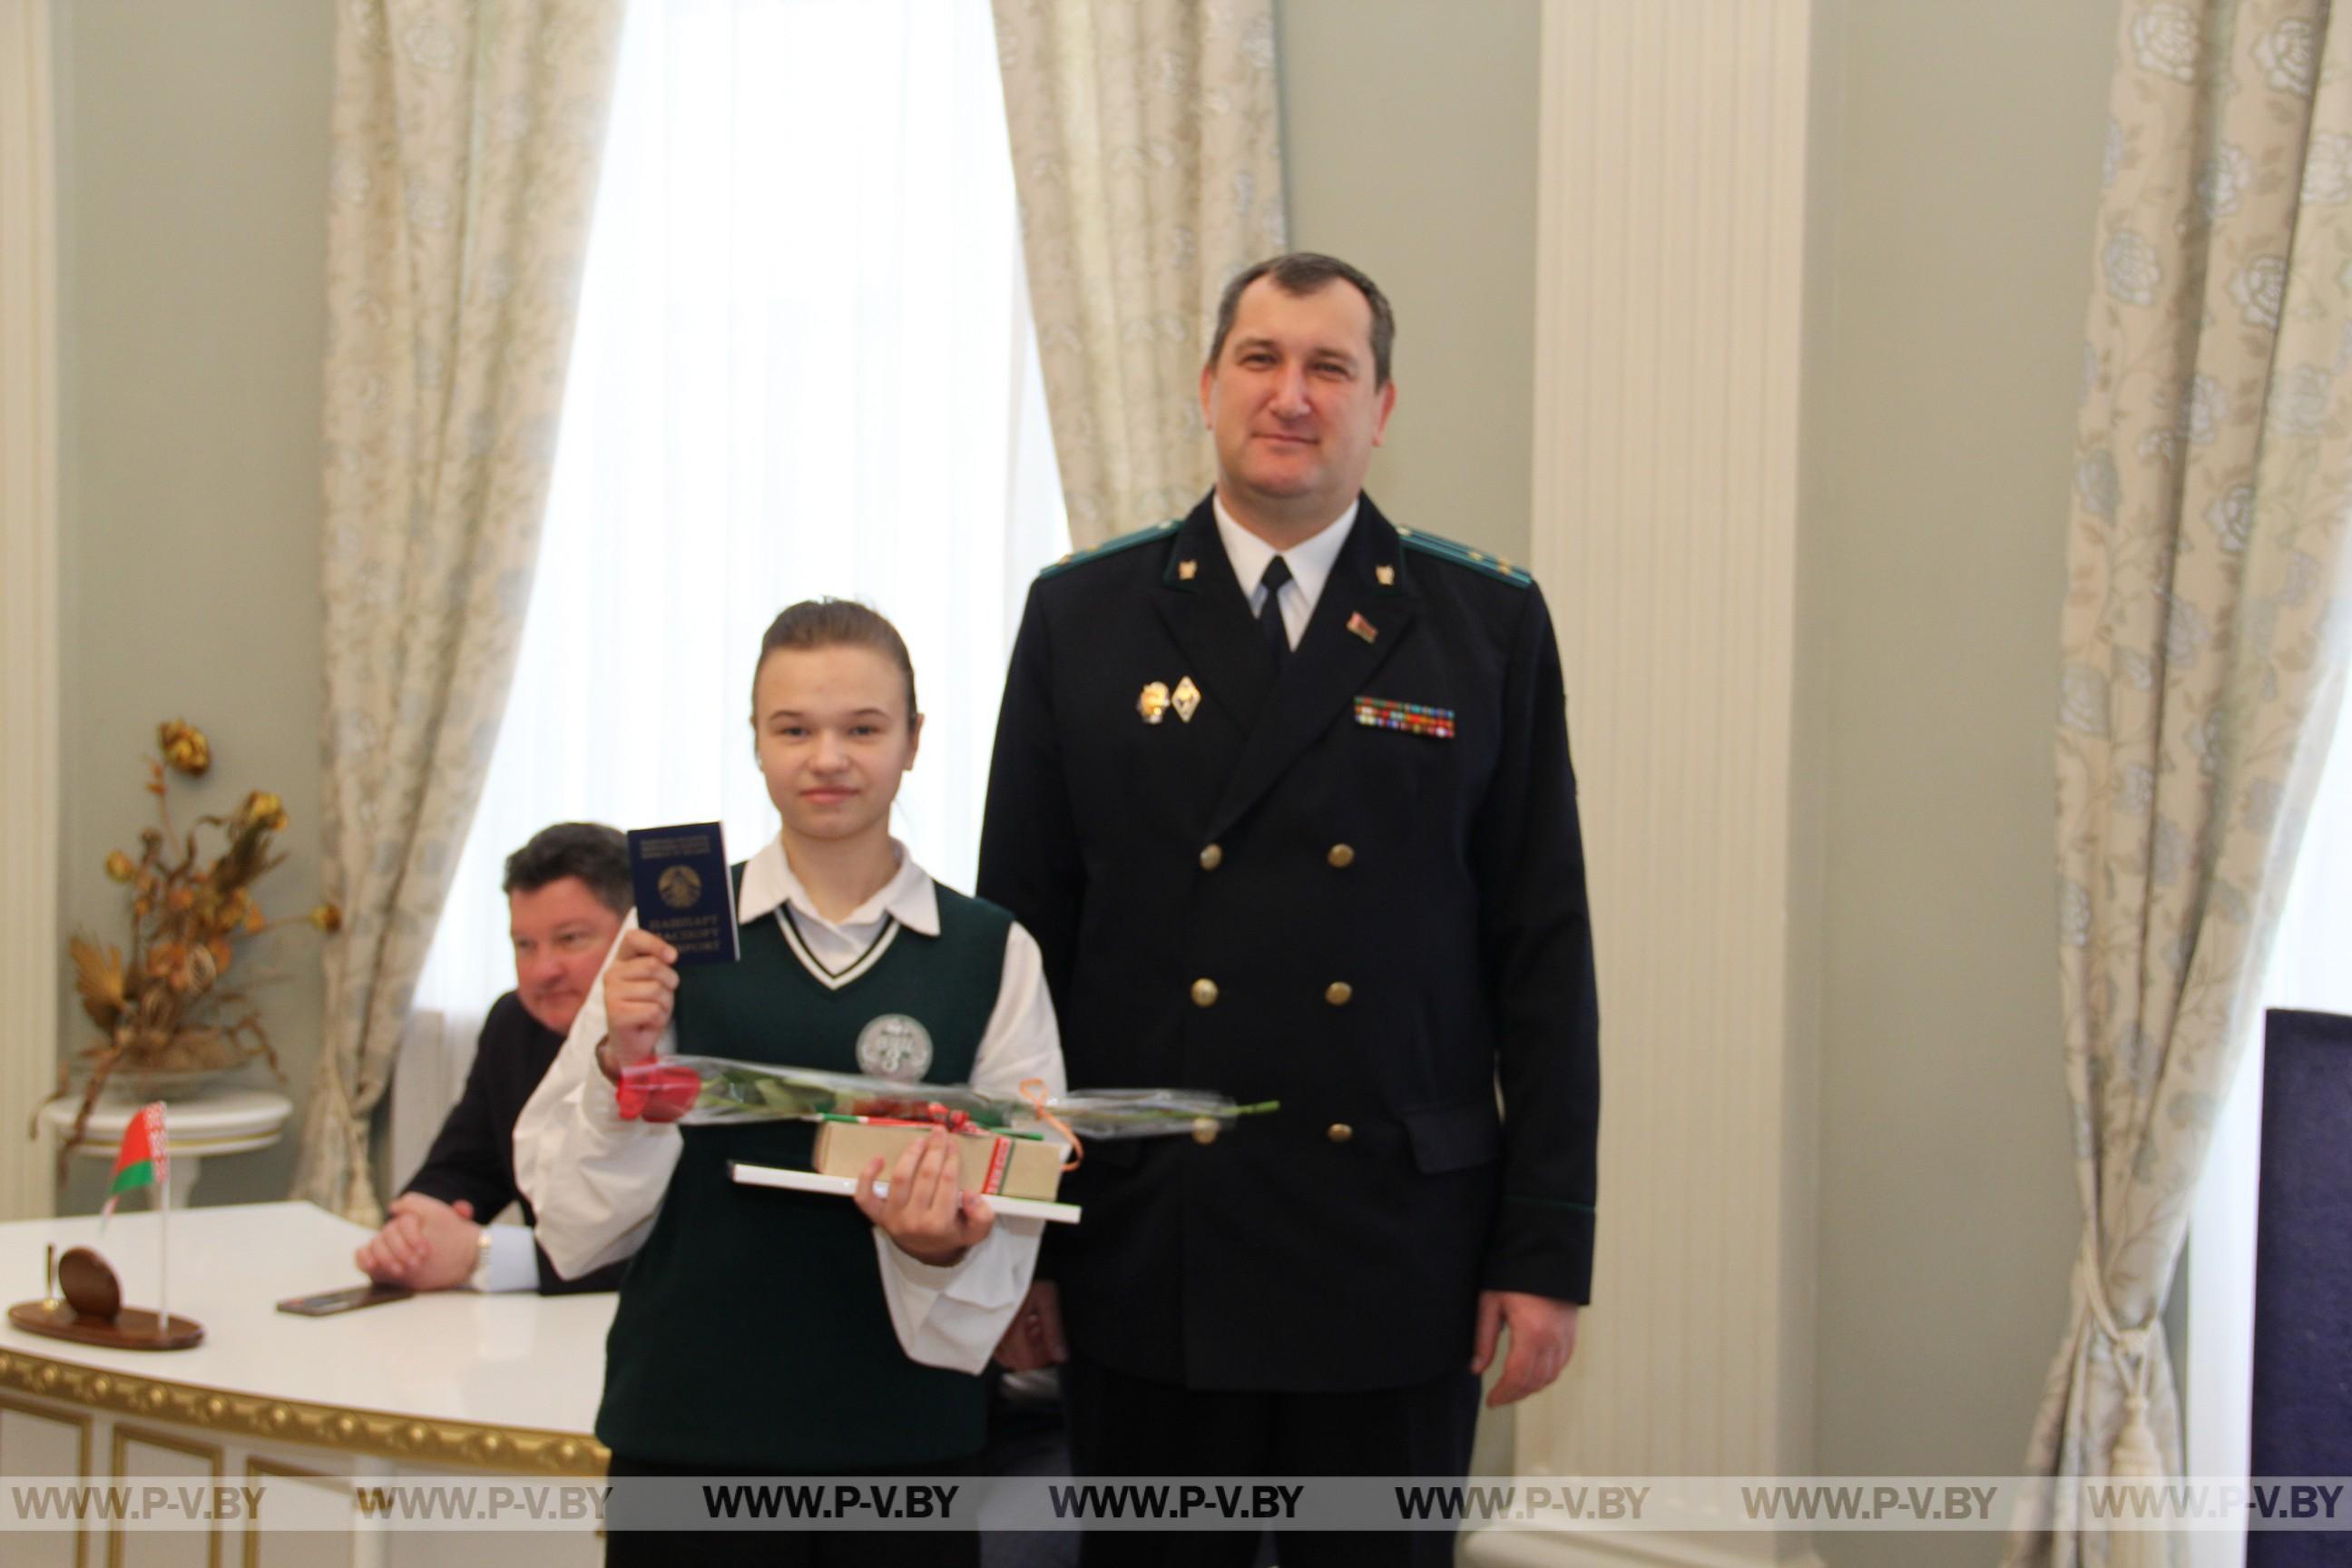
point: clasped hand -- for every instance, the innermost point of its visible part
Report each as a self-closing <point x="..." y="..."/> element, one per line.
<point x="426" y="1245"/>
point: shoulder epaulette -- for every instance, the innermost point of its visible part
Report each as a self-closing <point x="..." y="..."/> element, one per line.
<point x="1463" y="555"/>
<point x="1112" y="547"/>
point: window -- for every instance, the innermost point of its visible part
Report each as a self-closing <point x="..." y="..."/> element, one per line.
<point x="805" y="366"/>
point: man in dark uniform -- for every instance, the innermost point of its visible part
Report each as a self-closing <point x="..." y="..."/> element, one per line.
<point x="1283" y="790"/>
<point x="568" y="890"/>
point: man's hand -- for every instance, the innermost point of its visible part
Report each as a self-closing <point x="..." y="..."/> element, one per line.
<point x="1543" y="1336"/>
<point x="928" y="1214"/>
<point x="640" y="985"/>
<point x="1035" y="1340"/>
<point x="426" y="1245"/>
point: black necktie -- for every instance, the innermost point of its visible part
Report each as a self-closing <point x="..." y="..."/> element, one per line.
<point x="1269" y="614"/>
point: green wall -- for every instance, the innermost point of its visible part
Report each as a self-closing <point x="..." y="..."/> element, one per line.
<point x="1409" y="132"/>
<point x="192" y="200"/>
<point x="1958" y="185"/>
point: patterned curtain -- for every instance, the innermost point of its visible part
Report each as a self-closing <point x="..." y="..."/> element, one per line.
<point x="2202" y="657"/>
<point x="465" y="149"/>
<point x="1147" y="152"/>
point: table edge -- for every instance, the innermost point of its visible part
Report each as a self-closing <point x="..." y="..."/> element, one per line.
<point x="376" y="1434"/>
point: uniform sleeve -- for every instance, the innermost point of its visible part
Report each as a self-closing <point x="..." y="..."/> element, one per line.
<point x="468" y="1161"/>
<point x="953" y="1317"/>
<point x="1029" y="859"/>
<point x="594" y="1181"/>
<point x="1536" y="930"/>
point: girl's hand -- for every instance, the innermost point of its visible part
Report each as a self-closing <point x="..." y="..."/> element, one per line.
<point x="640" y="985"/>
<point x="930" y="1218"/>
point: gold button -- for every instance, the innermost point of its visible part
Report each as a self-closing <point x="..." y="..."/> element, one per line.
<point x="1204" y="993"/>
<point x="1212" y="856"/>
<point x="1341" y="857"/>
<point x="1339" y="1133"/>
<point x="1339" y="993"/>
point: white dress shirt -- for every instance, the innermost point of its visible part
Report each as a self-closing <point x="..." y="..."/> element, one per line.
<point x="1311" y="564"/>
<point x="596" y="1181"/>
<point x="508" y="1260"/>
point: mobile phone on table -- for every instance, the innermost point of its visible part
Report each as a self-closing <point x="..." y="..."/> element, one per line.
<point x="327" y="1303"/>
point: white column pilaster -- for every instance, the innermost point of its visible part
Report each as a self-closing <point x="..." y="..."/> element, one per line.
<point x="30" y="955"/>
<point x="1669" y="303"/>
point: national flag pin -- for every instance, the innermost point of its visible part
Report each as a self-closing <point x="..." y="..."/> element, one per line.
<point x="1362" y="628"/>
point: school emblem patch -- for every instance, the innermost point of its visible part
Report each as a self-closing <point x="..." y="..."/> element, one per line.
<point x="894" y="1047"/>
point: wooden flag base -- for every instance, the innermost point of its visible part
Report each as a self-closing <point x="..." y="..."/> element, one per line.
<point x="130" y="1328"/>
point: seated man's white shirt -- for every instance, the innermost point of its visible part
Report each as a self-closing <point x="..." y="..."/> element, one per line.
<point x="511" y="1263"/>
<point x="595" y="1181"/>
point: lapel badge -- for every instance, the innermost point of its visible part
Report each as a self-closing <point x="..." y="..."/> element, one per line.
<point x="1386" y="573"/>
<point x="1153" y="703"/>
<point x="1188" y="570"/>
<point x="1362" y="628"/>
<point x="1187" y="700"/>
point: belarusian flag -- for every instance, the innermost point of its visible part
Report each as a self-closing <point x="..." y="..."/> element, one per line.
<point x="143" y="1160"/>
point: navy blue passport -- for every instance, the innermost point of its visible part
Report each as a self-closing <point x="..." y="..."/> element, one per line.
<point x="684" y="894"/>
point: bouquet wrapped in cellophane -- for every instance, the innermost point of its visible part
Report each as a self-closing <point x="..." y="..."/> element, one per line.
<point x="700" y="1090"/>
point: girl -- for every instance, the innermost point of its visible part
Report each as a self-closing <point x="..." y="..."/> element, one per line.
<point x="769" y="1331"/>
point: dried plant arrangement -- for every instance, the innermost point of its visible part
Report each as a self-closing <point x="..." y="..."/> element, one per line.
<point x="162" y="1010"/>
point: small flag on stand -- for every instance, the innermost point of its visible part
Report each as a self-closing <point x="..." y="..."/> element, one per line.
<point x="143" y="1160"/>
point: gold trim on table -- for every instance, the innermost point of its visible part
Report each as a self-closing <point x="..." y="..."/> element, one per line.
<point x="511" y="1450"/>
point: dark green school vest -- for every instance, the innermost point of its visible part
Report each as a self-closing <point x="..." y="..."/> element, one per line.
<point x="751" y="1333"/>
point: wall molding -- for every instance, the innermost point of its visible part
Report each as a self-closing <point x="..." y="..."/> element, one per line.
<point x="1669" y="317"/>
<point x="29" y="820"/>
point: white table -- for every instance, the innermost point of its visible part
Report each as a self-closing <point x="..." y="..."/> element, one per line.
<point x="199" y="1126"/>
<point x="453" y="1382"/>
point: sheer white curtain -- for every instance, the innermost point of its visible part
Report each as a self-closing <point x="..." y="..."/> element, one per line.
<point x="805" y="366"/>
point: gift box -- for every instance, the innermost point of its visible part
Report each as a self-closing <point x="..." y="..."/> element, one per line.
<point x="1017" y="1165"/>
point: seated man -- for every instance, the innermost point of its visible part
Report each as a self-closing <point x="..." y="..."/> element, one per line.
<point x="567" y="893"/>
